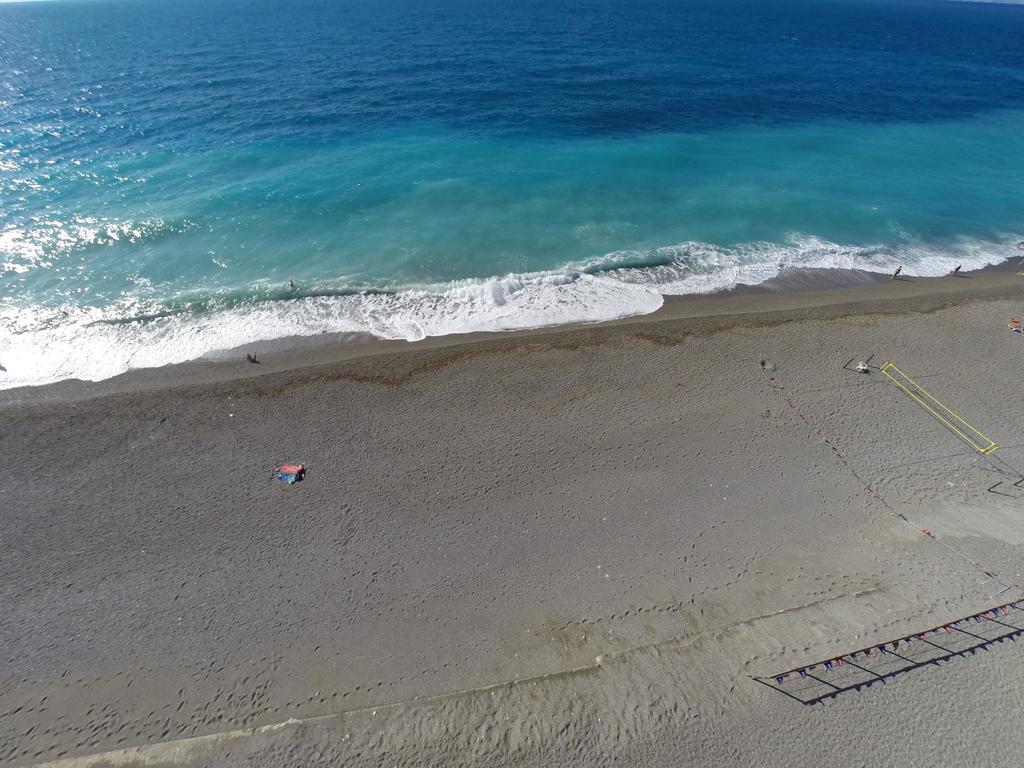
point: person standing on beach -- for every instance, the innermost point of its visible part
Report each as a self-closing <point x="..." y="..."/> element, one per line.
<point x="897" y="272"/>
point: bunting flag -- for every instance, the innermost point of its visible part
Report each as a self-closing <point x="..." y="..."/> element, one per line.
<point x="893" y="646"/>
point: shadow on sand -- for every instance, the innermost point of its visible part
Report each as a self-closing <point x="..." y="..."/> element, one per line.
<point x="817" y="683"/>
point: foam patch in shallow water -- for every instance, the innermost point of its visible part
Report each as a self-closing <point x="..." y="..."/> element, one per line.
<point x="39" y="346"/>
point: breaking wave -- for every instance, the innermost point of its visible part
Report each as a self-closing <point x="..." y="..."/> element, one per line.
<point x="42" y="345"/>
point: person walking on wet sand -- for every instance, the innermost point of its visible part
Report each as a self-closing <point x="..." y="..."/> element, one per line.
<point x="251" y="357"/>
<point x="955" y="270"/>
<point x="897" y="272"/>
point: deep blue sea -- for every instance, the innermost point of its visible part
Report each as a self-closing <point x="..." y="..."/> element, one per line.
<point x="183" y="176"/>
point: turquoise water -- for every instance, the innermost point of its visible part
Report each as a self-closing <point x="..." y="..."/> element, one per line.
<point x="179" y="178"/>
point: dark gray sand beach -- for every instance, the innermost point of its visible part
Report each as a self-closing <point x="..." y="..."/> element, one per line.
<point x="579" y="546"/>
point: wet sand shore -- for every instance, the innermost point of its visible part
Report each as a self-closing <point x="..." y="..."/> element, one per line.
<point x="571" y="546"/>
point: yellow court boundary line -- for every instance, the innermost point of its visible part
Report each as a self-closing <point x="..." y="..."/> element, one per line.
<point x="986" y="447"/>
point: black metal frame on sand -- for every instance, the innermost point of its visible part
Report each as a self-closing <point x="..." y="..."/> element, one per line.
<point x="862" y="668"/>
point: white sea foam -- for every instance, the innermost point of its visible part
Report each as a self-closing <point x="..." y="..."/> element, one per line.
<point x="38" y="347"/>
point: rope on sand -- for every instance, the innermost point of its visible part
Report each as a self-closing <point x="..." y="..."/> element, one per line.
<point x="878" y="497"/>
<point x="946" y="415"/>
